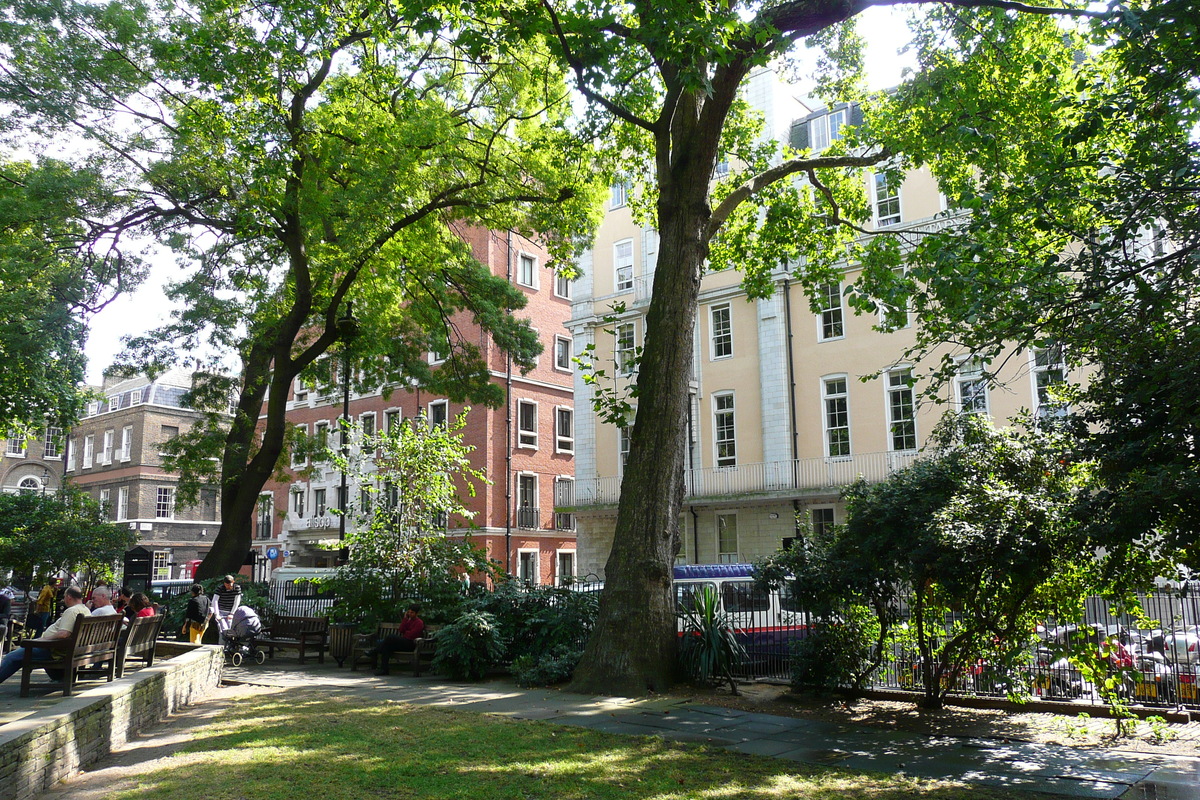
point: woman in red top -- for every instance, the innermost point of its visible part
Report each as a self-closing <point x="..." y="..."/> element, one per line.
<point x="141" y="605"/>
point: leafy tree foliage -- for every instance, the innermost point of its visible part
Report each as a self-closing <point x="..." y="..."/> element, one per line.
<point x="56" y="267"/>
<point x="45" y="534"/>
<point x="404" y="478"/>
<point x="1082" y="234"/>
<point x="299" y="157"/>
<point x="663" y="81"/>
<point x="978" y="536"/>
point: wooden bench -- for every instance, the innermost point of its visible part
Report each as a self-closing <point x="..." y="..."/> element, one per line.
<point x="92" y="643"/>
<point x="419" y="658"/>
<point x="140" y="643"/>
<point x="300" y="632"/>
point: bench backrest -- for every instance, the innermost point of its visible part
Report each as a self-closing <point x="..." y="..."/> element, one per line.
<point x="143" y="634"/>
<point x="94" y="639"/>
<point x="291" y="627"/>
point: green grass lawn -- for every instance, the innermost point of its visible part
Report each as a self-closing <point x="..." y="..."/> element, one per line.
<point x="304" y="745"/>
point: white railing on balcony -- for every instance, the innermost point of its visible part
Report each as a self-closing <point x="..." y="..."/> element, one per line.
<point x="769" y="477"/>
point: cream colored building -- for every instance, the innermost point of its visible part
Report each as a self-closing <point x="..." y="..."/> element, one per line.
<point x="786" y="408"/>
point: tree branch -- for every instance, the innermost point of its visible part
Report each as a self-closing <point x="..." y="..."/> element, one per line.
<point x="764" y="179"/>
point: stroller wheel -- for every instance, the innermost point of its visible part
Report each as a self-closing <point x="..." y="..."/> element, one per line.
<point x="259" y="657"/>
<point x="236" y="659"/>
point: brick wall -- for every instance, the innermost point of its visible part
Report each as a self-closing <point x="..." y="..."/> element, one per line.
<point x="44" y="748"/>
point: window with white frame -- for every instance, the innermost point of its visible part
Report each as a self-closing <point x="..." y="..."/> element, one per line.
<point x="832" y="320"/>
<point x="527" y="270"/>
<point x="265" y="516"/>
<point x="564" y="495"/>
<point x="126" y="443"/>
<point x="620" y="194"/>
<point x="319" y="506"/>
<point x="438" y="412"/>
<point x="527" y="567"/>
<point x="367" y="423"/>
<point x="902" y="420"/>
<point x="106" y="502"/>
<point x="528" y="509"/>
<point x="440" y="352"/>
<point x="971" y="387"/>
<point x="164" y="503"/>
<point x="161" y="565"/>
<point x="30" y="485"/>
<point x="564" y="573"/>
<point x="887" y="200"/>
<point x="625" y="353"/>
<point x="16" y="446"/>
<point x="527" y="423"/>
<point x="320" y="441"/>
<point x="300" y="388"/>
<point x="135" y="397"/>
<point x="50" y="443"/>
<point x="298" y="501"/>
<point x="721" y="330"/>
<point x="300" y="446"/>
<point x="1049" y="372"/>
<point x="562" y="286"/>
<point x="822" y="523"/>
<point x="826" y="129"/>
<point x="89" y="448"/>
<point x="623" y="264"/>
<point x="624" y="437"/>
<point x="727" y="539"/>
<point x="564" y="430"/>
<point x="724" y="430"/>
<point x="106" y="452"/>
<point x="122" y="503"/>
<point x="836" y="400"/>
<point x="392" y="422"/>
<point x="72" y="445"/>
<point x="562" y="353"/>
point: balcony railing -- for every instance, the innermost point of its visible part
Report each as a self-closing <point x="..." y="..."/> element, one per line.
<point x="762" y="478"/>
<point x="529" y="517"/>
<point x="564" y="521"/>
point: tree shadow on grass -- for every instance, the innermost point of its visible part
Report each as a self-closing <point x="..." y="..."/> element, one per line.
<point x="304" y="744"/>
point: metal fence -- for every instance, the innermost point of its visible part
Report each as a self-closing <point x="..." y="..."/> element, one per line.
<point x="1156" y="666"/>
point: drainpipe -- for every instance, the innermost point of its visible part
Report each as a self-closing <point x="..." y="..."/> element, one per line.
<point x="791" y="368"/>
<point x="508" y="437"/>
<point x="691" y="467"/>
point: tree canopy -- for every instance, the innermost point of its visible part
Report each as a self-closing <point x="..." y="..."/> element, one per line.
<point x="298" y="158"/>
<point x="57" y="267"/>
<point x="42" y="535"/>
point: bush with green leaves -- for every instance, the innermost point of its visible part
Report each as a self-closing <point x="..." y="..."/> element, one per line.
<point x="546" y="669"/>
<point x="368" y="594"/>
<point x="469" y="646"/>
<point x="709" y="650"/>
<point x="538" y="620"/>
<point x="834" y="653"/>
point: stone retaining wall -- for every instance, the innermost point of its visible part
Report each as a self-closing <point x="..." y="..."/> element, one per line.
<point x="39" y="750"/>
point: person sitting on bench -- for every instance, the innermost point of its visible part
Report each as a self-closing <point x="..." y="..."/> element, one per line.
<point x="404" y="640"/>
<point x="73" y="600"/>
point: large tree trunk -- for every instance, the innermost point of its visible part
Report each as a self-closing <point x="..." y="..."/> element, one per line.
<point x="632" y="649"/>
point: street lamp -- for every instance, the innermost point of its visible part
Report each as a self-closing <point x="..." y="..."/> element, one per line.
<point x="347" y="330"/>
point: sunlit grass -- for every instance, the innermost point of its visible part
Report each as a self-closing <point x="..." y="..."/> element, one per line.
<point x="307" y="746"/>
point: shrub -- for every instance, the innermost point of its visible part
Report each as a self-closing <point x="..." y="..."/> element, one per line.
<point x="834" y="654"/>
<point x="709" y="651"/>
<point x="469" y="646"/>
<point x="555" y="666"/>
<point x="538" y="621"/>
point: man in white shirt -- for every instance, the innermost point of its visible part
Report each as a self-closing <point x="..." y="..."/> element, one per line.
<point x="102" y="602"/>
<point x="61" y="629"/>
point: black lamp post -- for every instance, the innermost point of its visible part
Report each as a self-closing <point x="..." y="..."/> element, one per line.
<point x="347" y="330"/>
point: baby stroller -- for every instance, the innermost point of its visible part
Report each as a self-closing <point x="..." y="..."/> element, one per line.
<point x="241" y="637"/>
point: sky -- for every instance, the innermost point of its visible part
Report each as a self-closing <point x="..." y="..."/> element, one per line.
<point x="883" y="28"/>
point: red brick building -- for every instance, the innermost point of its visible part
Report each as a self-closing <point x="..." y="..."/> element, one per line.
<point x="525" y="447"/>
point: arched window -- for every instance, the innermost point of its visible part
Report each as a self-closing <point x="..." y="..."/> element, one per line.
<point x="29" y="485"/>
